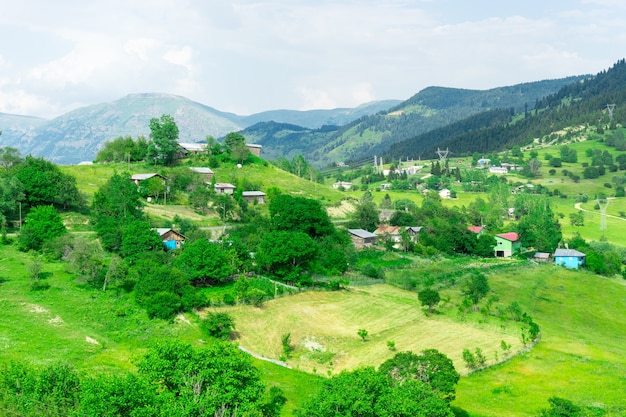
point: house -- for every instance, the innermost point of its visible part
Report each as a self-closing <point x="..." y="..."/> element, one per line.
<point x="483" y="162"/>
<point x="479" y="230"/>
<point x="362" y="238"/>
<point x="385" y="186"/>
<point x="192" y="148"/>
<point x="445" y="193"/>
<point x="254" y="149"/>
<point x="569" y="258"/>
<point x="207" y="173"/>
<point x="171" y="238"/>
<point x="342" y="184"/>
<point x="137" y="178"/>
<point x="498" y="170"/>
<point x="507" y="244"/>
<point x="224" y="188"/>
<point x="541" y="257"/>
<point x="413" y="231"/>
<point x="252" y="197"/>
<point x="393" y="232"/>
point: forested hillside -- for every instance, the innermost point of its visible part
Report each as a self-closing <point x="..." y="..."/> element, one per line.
<point x="580" y="103"/>
<point x="429" y="109"/>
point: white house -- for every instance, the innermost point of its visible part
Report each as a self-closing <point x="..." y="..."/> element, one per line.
<point x="445" y="193"/>
<point x="342" y="184"/>
<point x="498" y="170"/>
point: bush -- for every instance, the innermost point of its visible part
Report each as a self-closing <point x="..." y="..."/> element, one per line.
<point x="163" y="305"/>
<point x="218" y="325"/>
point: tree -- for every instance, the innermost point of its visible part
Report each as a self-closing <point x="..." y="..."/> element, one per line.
<point x="476" y="287"/>
<point x="11" y="194"/>
<point x="286" y="254"/>
<point x="431" y="367"/>
<point x="218" y="325"/>
<point x="225" y="206"/>
<point x="429" y="297"/>
<point x="538" y="226"/>
<point x="138" y="237"/>
<point x="218" y="379"/>
<point x="164" y="135"/>
<point x="289" y="213"/>
<point x="362" y="334"/>
<point x="365" y="216"/>
<point x="368" y="393"/>
<point x="240" y="153"/>
<point x="233" y="139"/>
<point x="42" y="224"/>
<point x="9" y="157"/>
<point x="44" y="184"/>
<point x="205" y="261"/>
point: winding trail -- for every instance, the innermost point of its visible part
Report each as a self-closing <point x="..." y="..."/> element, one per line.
<point x="577" y="207"/>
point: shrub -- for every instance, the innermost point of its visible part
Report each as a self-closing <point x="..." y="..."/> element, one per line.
<point x="218" y="325"/>
<point x="163" y="305"/>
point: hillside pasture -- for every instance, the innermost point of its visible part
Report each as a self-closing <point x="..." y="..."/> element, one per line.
<point x="324" y="326"/>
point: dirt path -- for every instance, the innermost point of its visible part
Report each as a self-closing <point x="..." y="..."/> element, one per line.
<point x="577" y="207"/>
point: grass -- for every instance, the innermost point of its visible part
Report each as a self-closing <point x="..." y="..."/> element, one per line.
<point x="582" y="353"/>
<point x="324" y="327"/>
<point x="580" y="357"/>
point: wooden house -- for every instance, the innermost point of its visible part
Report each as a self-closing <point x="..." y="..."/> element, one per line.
<point x="171" y="238"/>
<point x="224" y="188"/>
<point x="362" y="238"/>
<point x="207" y="173"/>
<point x="254" y="149"/>
<point x="137" y="178"/>
<point x="253" y="197"/>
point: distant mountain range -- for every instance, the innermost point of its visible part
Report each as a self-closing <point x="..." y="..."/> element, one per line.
<point x="78" y="135"/>
<point x="322" y="136"/>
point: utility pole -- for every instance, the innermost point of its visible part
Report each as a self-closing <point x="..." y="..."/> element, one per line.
<point x="610" y="108"/>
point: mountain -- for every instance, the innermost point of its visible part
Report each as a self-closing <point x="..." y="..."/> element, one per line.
<point x="579" y="103"/>
<point x="78" y="135"/>
<point x="367" y="136"/>
<point x="314" y="119"/>
<point x="322" y="136"/>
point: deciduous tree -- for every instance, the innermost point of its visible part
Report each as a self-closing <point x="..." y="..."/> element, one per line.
<point x="42" y="224"/>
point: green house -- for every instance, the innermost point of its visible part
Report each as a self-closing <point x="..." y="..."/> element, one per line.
<point x="507" y="244"/>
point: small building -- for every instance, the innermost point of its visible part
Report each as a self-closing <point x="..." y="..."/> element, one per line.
<point x="541" y="257"/>
<point x="342" y="184"/>
<point x="413" y="231"/>
<point x="362" y="238"/>
<point x="224" y="188"/>
<point x="444" y="193"/>
<point x="393" y="232"/>
<point x="137" y="178"/>
<point x="385" y="186"/>
<point x="207" y="173"/>
<point x="498" y="170"/>
<point x="507" y="244"/>
<point x="254" y="149"/>
<point x="192" y="148"/>
<point x="171" y="238"/>
<point x="483" y="162"/>
<point x="253" y="197"/>
<point x="569" y="258"/>
<point x="479" y="230"/>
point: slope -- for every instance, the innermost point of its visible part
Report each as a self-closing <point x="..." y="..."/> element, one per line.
<point x="580" y="103"/>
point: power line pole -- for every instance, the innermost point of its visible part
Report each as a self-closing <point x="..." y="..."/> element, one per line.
<point x="610" y="108"/>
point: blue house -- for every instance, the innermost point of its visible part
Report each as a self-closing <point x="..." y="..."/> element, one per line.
<point x="171" y="238"/>
<point x="569" y="258"/>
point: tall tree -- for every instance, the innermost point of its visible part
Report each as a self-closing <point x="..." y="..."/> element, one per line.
<point x="164" y="135"/>
<point x="300" y="214"/>
<point x="42" y="224"/>
<point x="44" y="183"/>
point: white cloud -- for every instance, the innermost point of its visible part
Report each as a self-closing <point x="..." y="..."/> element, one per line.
<point x="254" y="55"/>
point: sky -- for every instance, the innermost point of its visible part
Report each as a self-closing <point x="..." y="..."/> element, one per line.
<point x="249" y="56"/>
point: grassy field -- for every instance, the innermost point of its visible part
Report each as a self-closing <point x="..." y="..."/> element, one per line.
<point x="581" y="355"/>
<point x="324" y="325"/>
